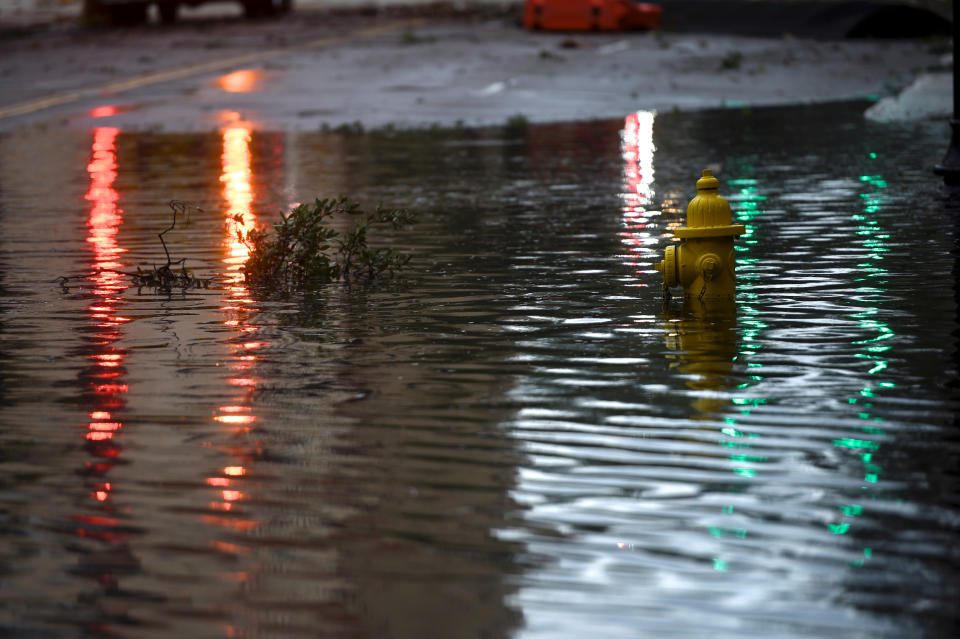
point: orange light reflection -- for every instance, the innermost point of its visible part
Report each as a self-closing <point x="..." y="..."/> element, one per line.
<point x="235" y="419"/>
<point x="237" y="180"/>
<point x="238" y="192"/>
<point x="243" y="81"/>
<point x="235" y="409"/>
<point x="228" y="548"/>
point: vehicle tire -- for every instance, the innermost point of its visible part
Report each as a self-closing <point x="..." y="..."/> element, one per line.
<point x="251" y="8"/>
<point x="127" y="15"/>
<point x="94" y="14"/>
<point x="98" y="14"/>
<point x="264" y="8"/>
<point x="168" y="12"/>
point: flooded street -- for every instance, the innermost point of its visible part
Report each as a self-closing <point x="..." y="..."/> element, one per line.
<point x="515" y="438"/>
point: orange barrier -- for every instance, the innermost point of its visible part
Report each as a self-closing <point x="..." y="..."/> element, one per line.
<point x="591" y="15"/>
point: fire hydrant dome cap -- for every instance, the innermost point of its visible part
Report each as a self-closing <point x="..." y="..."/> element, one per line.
<point x="708" y="214"/>
<point x="708" y="181"/>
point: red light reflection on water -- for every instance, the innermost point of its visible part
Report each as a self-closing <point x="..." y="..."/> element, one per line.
<point x="637" y="148"/>
<point x="104" y="221"/>
<point x="104" y="111"/>
<point x="102" y="377"/>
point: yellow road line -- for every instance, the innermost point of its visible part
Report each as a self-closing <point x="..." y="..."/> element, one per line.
<point x="118" y="86"/>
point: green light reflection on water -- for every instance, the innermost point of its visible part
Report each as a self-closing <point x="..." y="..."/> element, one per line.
<point x="874" y="241"/>
<point x="749" y="458"/>
<point x="856" y="443"/>
<point x="720" y="533"/>
<point x="747" y="204"/>
<point x="852" y="510"/>
<point x="749" y="401"/>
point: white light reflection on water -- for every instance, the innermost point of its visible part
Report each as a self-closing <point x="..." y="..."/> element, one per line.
<point x="548" y="486"/>
<point x="873" y="350"/>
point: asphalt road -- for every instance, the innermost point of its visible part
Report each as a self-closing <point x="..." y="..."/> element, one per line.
<point x="314" y="69"/>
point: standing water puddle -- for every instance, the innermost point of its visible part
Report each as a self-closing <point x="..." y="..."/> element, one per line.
<point x="515" y="439"/>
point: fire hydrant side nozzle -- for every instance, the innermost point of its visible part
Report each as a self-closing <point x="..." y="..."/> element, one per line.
<point x="704" y="263"/>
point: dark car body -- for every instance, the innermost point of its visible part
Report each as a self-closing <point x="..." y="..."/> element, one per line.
<point x="135" y="11"/>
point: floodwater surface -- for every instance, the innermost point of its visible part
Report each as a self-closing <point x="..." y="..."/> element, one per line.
<point x="516" y="437"/>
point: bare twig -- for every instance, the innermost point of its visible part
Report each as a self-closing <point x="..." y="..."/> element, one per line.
<point x="162" y="278"/>
<point x="177" y="206"/>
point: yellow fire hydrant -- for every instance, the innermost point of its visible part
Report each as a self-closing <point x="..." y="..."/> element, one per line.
<point x="704" y="264"/>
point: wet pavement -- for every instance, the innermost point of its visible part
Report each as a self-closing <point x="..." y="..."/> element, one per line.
<point x="312" y="69"/>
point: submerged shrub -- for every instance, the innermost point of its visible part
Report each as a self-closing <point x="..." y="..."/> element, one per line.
<point x="303" y="251"/>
